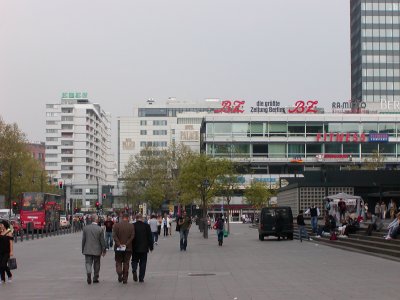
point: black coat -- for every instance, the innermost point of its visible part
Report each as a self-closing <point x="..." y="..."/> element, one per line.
<point x="143" y="241"/>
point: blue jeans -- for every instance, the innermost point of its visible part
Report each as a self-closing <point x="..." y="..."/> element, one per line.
<point x="155" y="236"/>
<point x="220" y="235"/>
<point x="183" y="241"/>
<point x="302" y="232"/>
<point x="109" y="240"/>
<point x="314" y="224"/>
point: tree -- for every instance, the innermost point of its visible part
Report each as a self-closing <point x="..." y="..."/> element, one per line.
<point x="151" y="176"/>
<point x="228" y="183"/>
<point x="19" y="171"/>
<point x="257" y="195"/>
<point x="198" y="181"/>
<point x="375" y="162"/>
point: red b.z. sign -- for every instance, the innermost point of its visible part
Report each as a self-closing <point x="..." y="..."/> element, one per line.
<point x="231" y="108"/>
<point x="303" y="107"/>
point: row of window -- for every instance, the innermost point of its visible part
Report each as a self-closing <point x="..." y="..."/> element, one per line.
<point x="381" y="85"/>
<point x="155" y="132"/>
<point x="380" y="32"/>
<point x="144" y="144"/>
<point x="381" y="46"/>
<point x="281" y="150"/>
<point x="381" y="72"/>
<point x="380" y="6"/>
<point x="380" y="19"/>
<point x="380" y="59"/>
<point x="155" y="122"/>
<point x="300" y="129"/>
<point x="378" y="98"/>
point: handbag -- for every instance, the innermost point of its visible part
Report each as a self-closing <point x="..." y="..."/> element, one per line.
<point x="12" y="263"/>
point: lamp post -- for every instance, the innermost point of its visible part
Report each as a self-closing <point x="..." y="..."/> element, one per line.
<point x="205" y="185"/>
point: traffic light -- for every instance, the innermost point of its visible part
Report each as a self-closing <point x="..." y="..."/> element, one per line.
<point x="97" y="205"/>
<point x="60" y="185"/>
<point x="104" y="196"/>
<point x="75" y="210"/>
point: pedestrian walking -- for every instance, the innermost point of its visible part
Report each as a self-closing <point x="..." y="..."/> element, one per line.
<point x="314" y="212"/>
<point x="123" y="234"/>
<point x="154" y="228"/>
<point x="142" y="244"/>
<point x="6" y="250"/>
<point x="93" y="246"/>
<point x="165" y="226"/>
<point x="184" y="223"/>
<point x="302" y="227"/>
<point x="109" y="230"/>
<point x="159" y="223"/>
<point x="378" y="210"/>
<point x="219" y="226"/>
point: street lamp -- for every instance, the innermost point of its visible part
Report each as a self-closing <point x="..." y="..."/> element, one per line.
<point x="205" y="185"/>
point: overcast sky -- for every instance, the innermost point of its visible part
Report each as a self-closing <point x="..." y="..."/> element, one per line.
<point x="122" y="52"/>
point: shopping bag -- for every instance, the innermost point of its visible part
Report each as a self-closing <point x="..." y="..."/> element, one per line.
<point x="12" y="263"/>
<point x="226" y="233"/>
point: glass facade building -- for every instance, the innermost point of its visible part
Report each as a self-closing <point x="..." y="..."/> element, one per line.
<point x="310" y="141"/>
<point x="375" y="51"/>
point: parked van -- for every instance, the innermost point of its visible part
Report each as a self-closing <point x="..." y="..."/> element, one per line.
<point x="276" y="221"/>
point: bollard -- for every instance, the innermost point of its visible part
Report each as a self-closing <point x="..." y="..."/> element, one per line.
<point x="21" y="235"/>
<point x="37" y="233"/>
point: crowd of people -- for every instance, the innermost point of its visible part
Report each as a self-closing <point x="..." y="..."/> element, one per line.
<point x="349" y="222"/>
<point x="131" y="237"/>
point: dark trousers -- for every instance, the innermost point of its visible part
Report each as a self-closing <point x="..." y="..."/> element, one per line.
<point x="183" y="238"/>
<point x="122" y="259"/>
<point x="141" y="259"/>
<point x="4" y="266"/>
<point x="93" y="260"/>
<point x="165" y="230"/>
<point x="155" y="236"/>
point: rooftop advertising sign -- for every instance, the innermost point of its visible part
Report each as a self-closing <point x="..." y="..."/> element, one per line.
<point x="231" y="107"/>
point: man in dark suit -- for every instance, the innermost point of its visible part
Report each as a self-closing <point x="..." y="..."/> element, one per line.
<point x="123" y="234"/>
<point x="93" y="246"/>
<point x="142" y="243"/>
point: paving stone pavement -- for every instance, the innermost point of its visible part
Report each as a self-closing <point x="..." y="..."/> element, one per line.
<point x="243" y="268"/>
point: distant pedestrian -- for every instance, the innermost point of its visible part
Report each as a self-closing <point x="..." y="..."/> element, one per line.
<point x="93" y="246"/>
<point x="165" y="225"/>
<point x="6" y="250"/>
<point x="383" y="210"/>
<point x="109" y="229"/>
<point x="123" y="234"/>
<point x="342" y="209"/>
<point x="184" y="223"/>
<point x="378" y="210"/>
<point x="392" y="209"/>
<point x="219" y="226"/>
<point x="314" y="213"/>
<point x="159" y="224"/>
<point x="302" y="227"/>
<point x="154" y="228"/>
<point x="142" y="243"/>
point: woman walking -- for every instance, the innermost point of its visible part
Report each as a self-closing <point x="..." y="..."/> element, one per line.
<point x="6" y="250"/>
<point x="219" y="226"/>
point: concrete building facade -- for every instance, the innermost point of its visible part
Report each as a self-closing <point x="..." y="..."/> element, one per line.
<point x="78" y="149"/>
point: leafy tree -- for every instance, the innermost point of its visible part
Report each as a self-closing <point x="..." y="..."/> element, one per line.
<point x="228" y="183"/>
<point x="257" y="195"/>
<point x="17" y="164"/>
<point x="198" y="180"/>
<point x="151" y="176"/>
<point x="375" y="162"/>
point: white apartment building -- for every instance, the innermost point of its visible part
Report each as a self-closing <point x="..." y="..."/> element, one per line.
<point x="159" y="125"/>
<point x="78" y="149"/>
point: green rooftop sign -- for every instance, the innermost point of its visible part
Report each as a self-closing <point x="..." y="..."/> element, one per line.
<point x="69" y="95"/>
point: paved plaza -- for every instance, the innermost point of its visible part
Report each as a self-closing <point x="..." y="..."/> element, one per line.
<point x="244" y="268"/>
